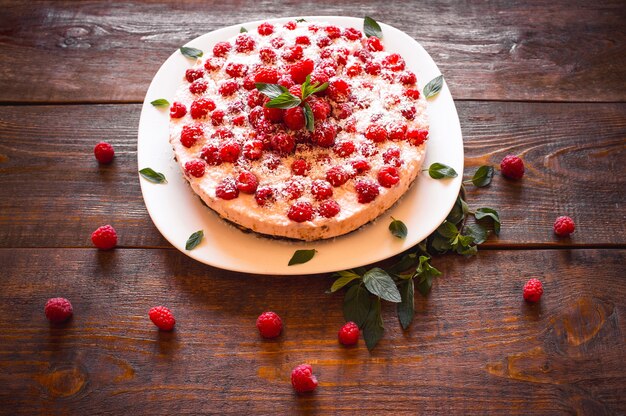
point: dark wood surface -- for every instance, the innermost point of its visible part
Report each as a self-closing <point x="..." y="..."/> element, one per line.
<point x="545" y="80"/>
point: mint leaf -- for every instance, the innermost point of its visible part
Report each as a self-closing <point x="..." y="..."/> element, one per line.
<point x="309" y="118"/>
<point x="407" y="261"/>
<point x="301" y="256"/>
<point x="346" y="276"/>
<point x="270" y="90"/>
<point x="285" y="100"/>
<point x="152" y="176"/>
<point x="477" y="232"/>
<point x="456" y="214"/>
<point x="300" y="20"/>
<point x="406" y="308"/>
<point x="161" y="102"/>
<point x="191" y="52"/>
<point x="483" y="176"/>
<point x="425" y="272"/>
<point x="373" y="329"/>
<point x="317" y="88"/>
<point x="193" y="240"/>
<point x="448" y="229"/>
<point x="489" y="213"/>
<point x="433" y="87"/>
<point x="356" y="305"/>
<point x="379" y="283"/>
<point x="439" y="171"/>
<point x="243" y="30"/>
<point x="397" y="228"/>
<point x="372" y="28"/>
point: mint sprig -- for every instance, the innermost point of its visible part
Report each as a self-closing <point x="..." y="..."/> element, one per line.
<point x="192" y="53"/>
<point x="372" y="28"/>
<point x="152" y="175"/>
<point x="440" y="171"/>
<point x="433" y="87"/>
<point x="193" y="240"/>
<point x="398" y="228"/>
<point x="160" y="102"/>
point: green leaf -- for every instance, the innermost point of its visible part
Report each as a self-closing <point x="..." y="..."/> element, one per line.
<point x="317" y="88"/>
<point x="379" y="283"/>
<point x="356" y="305"/>
<point x="346" y="276"/>
<point x="425" y="272"/>
<point x="193" y="240"/>
<point x="448" y="229"/>
<point x="373" y="329"/>
<point x="161" y="102"/>
<point x="406" y="308"/>
<point x="489" y="213"/>
<point x="309" y="118"/>
<point x="285" y="100"/>
<point x="270" y="90"/>
<point x="440" y="243"/>
<point x="470" y="251"/>
<point x="433" y="87"/>
<point x="439" y="171"/>
<point x="372" y="28"/>
<point x="152" y="176"/>
<point x="456" y="214"/>
<point x="477" y="231"/>
<point x="407" y="261"/>
<point x="483" y="176"/>
<point x="397" y="228"/>
<point x="191" y="52"/>
<point x="243" y="30"/>
<point x="300" y="20"/>
<point x="301" y="256"/>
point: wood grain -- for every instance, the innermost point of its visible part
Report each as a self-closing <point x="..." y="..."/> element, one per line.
<point x="54" y="194"/>
<point x="474" y="347"/>
<point x="62" y="51"/>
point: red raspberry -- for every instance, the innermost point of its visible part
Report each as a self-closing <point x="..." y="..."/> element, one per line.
<point x="564" y="226"/>
<point x="239" y="120"/>
<point x="283" y="143"/>
<point x="301" y="211"/>
<point x="273" y="114"/>
<point x="194" y="74"/>
<point x="264" y="195"/>
<point x="247" y="182"/>
<point x="349" y="333"/>
<point x="229" y="151"/>
<point x="324" y="134"/>
<point x="374" y="44"/>
<point x="296" y="91"/>
<point x="265" y="29"/>
<point x="267" y="75"/>
<point x="417" y="136"/>
<point x="255" y="99"/>
<point x="236" y="70"/>
<point x="291" y="25"/>
<point x="388" y="176"/>
<point x="338" y="90"/>
<point x="217" y="117"/>
<point x="302" y="379"/>
<point x="412" y="93"/>
<point x="228" y="88"/>
<point x="104" y="153"/>
<point x="212" y="64"/>
<point x="191" y="134"/>
<point x="248" y="83"/>
<point x="319" y="77"/>
<point x="227" y="189"/>
<point x="267" y="55"/>
<point x="313" y="28"/>
<point x="408" y="112"/>
<point x="373" y="68"/>
<point x="222" y="134"/>
<point x="323" y="41"/>
<point x="321" y="189"/>
<point x="201" y="106"/>
<point x="363" y="54"/>
<point x="293" y="190"/>
<point x="58" y="310"/>
<point x="343" y="111"/>
<point x="244" y="43"/>
<point x="360" y="166"/>
<point x="221" y="49"/>
<point x="533" y="289"/>
<point x="300" y="167"/>
<point x="333" y="32"/>
<point x="408" y="78"/>
<point x="394" y="62"/>
<point x="269" y="324"/>
<point x="211" y="154"/>
<point x="337" y="176"/>
<point x="162" y="317"/>
<point x="300" y="70"/>
<point x="397" y="131"/>
<point x="277" y="43"/>
<point x="178" y="110"/>
<point x="256" y="116"/>
<point x="354" y="70"/>
<point x="352" y="34"/>
<point x="303" y="40"/>
<point x="198" y="86"/>
<point x="512" y="167"/>
<point x="105" y="237"/>
<point x="286" y="81"/>
<point x="195" y="168"/>
<point x="292" y="53"/>
<point x="329" y="208"/>
<point x="344" y="149"/>
<point x="368" y="149"/>
<point x="366" y="190"/>
<point x="294" y="118"/>
<point x="320" y="108"/>
<point x="392" y="157"/>
<point x="376" y="133"/>
<point x="253" y="149"/>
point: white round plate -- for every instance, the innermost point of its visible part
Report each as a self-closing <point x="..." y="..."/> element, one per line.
<point x="177" y="212"/>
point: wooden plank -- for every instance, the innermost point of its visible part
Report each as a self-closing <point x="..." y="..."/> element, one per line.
<point x="53" y="193"/>
<point x="64" y="51"/>
<point x="475" y="346"/>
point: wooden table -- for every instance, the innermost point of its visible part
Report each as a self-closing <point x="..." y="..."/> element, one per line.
<point x="544" y="80"/>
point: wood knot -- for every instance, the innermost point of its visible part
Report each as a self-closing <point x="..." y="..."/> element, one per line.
<point x="582" y="322"/>
<point x="63" y="382"/>
<point x="74" y="37"/>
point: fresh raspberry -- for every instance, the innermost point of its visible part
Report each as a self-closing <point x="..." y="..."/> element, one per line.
<point x="105" y="237"/>
<point x="324" y="134"/>
<point x="253" y="149"/>
<point x="360" y="166"/>
<point x="313" y="28"/>
<point x="388" y="176"/>
<point x="267" y="55"/>
<point x="267" y="75"/>
<point x="236" y="70"/>
<point x="104" y="153"/>
<point x="368" y="149"/>
<point x="58" y="310"/>
<point x="222" y="134"/>
<point x="277" y="43"/>
<point x="300" y="70"/>
<point x="264" y="195"/>
<point x="195" y="168"/>
<point x="533" y="289"/>
<point x="374" y="44"/>
<point x="324" y="41"/>
<point x="211" y="154"/>
<point x="247" y="182"/>
<point x="333" y="32"/>
<point x="391" y="157"/>
<point x="301" y="211"/>
<point x="394" y="62"/>
<point x="343" y="110"/>
<point x="292" y="53"/>
<point x="248" y="83"/>
<point x="397" y="131"/>
<point x="320" y="108"/>
<point x="364" y="55"/>
<point x="293" y="190"/>
<point x="228" y="88"/>
<point x="352" y="34"/>
<point x="319" y="77"/>
<point x="564" y="226"/>
<point x="344" y="149"/>
<point x="366" y="190"/>
<point x="274" y="115"/>
<point x="376" y="133"/>
<point x="321" y="189"/>
<point x="201" y="107"/>
<point x="373" y="68"/>
<point x="302" y="379"/>
<point x="221" y="49"/>
<point x="191" y="134"/>
<point x="265" y="29"/>
<point x="417" y="136"/>
<point x="217" y="117"/>
<point x="244" y="43"/>
<point x="296" y="90"/>
<point x="338" y="90"/>
<point x="329" y="208"/>
<point x="162" y="317"/>
<point x="283" y="143"/>
<point x="294" y="118"/>
<point x="255" y="99"/>
<point x="212" y="64"/>
<point x="286" y="81"/>
<point x="229" y="151"/>
<point x="349" y="333"/>
<point x="303" y="40"/>
<point x="512" y="167"/>
<point x="291" y="25"/>
<point x="198" y="86"/>
<point x="194" y="74"/>
<point x="408" y="112"/>
<point x="337" y="176"/>
<point x="269" y="324"/>
<point x="354" y="70"/>
<point x="239" y="120"/>
<point x="227" y="189"/>
<point x="412" y="93"/>
<point x="300" y="167"/>
<point x="178" y="110"/>
<point x="408" y="78"/>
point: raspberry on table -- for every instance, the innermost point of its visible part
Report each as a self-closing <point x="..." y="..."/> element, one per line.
<point x="162" y="317"/>
<point x="349" y="333"/>
<point x="564" y="226"/>
<point x="533" y="289"/>
<point x="58" y="310"/>
<point x="104" y="238"/>
<point x="178" y="110"/>
<point x="104" y="153"/>
<point x="512" y="167"/>
<point x="301" y="211"/>
<point x="302" y="378"/>
<point x="269" y="324"/>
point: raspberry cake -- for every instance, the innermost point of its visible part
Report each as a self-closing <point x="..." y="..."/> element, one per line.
<point x="300" y="130"/>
